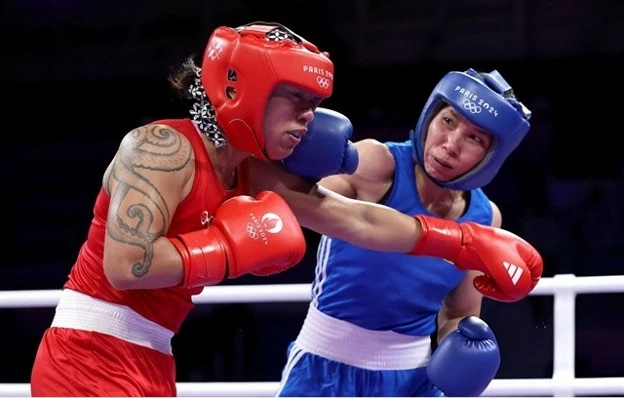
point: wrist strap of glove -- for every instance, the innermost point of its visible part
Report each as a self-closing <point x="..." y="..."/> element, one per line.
<point x="204" y="254"/>
<point x="440" y="238"/>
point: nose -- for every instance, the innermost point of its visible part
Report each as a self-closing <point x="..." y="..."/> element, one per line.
<point x="452" y="143"/>
<point x="306" y="115"/>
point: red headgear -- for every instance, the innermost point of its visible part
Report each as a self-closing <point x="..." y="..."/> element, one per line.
<point x="251" y="61"/>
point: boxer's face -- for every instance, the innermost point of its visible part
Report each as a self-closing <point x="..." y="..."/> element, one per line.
<point x="453" y="145"/>
<point x="288" y="112"/>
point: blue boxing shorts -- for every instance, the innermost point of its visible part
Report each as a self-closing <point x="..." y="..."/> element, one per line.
<point x="319" y="365"/>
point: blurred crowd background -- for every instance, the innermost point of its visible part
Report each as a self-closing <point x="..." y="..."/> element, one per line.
<point x="77" y="76"/>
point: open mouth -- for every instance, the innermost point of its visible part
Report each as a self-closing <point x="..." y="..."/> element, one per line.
<point x="297" y="134"/>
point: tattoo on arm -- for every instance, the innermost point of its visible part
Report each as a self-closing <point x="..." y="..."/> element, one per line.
<point x="152" y="148"/>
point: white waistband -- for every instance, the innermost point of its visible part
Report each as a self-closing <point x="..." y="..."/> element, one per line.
<point x="79" y="311"/>
<point x="344" y="342"/>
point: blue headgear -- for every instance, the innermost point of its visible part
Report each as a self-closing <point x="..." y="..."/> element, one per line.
<point x="487" y="101"/>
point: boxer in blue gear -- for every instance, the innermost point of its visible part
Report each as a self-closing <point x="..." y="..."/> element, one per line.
<point x="368" y="327"/>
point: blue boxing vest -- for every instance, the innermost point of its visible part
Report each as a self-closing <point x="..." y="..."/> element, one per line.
<point x="390" y="291"/>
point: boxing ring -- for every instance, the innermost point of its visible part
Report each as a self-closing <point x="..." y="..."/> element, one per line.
<point x="564" y="288"/>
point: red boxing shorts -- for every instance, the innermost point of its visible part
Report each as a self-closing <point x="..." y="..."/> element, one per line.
<point x="79" y="363"/>
<point x="97" y="348"/>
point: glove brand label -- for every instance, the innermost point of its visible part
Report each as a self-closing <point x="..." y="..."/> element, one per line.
<point x="514" y="271"/>
<point x="473" y="103"/>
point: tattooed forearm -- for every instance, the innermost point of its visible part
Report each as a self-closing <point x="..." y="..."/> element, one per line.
<point x="141" y="213"/>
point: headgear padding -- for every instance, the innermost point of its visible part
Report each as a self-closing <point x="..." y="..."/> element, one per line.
<point x="249" y="62"/>
<point x="487" y="101"/>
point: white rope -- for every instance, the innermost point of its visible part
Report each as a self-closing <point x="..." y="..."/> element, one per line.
<point x="302" y="292"/>
<point x="580" y="284"/>
<point x="564" y="383"/>
<point x="613" y="386"/>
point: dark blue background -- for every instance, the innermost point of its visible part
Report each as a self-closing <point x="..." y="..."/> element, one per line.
<point x="76" y="77"/>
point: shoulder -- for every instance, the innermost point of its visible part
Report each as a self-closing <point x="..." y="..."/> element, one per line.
<point x="373" y="146"/>
<point x="376" y="160"/>
<point x="156" y="148"/>
<point x="158" y="144"/>
<point x="156" y="135"/>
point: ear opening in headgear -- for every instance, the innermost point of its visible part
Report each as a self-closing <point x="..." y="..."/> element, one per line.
<point x="230" y="91"/>
<point x="231" y="76"/>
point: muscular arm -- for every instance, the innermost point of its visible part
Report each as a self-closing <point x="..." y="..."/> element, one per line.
<point x="326" y="211"/>
<point x="464" y="300"/>
<point x="373" y="177"/>
<point x="363" y="224"/>
<point x="145" y="181"/>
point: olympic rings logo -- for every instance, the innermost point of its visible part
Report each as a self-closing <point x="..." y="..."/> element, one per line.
<point x="471" y="106"/>
<point x="253" y="234"/>
<point x="322" y="81"/>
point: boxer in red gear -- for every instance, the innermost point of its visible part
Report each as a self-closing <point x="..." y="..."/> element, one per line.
<point x="173" y="215"/>
<point x="167" y="223"/>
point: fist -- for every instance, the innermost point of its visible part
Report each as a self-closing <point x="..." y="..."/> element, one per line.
<point x="260" y="232"/>
<point x="511" y="266"/>
<point x="325" y="149"/>
<point x="466" y="361"/>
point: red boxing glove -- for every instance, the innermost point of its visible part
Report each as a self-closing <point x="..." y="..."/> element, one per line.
<point x="246" y="235"/>
<point x="512" y="267"/>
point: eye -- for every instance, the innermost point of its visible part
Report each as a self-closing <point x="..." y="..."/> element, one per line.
<point x="481" y="140"/>
<point x="477" y="139"/>
<point x="315" y="102"/>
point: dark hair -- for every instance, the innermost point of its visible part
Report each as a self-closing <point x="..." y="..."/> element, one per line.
<point x="182" y="77"/>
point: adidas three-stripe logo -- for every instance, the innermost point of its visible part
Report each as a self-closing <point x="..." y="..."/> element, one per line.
<point x="514" y="272"/>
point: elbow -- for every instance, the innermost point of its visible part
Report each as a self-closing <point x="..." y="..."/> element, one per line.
<point x="118" y="281"/>
<point x="117" y="277"/>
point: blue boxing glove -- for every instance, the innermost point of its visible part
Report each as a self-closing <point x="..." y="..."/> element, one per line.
<point x="325" y="148"/>
<point x="466" y="361"/>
